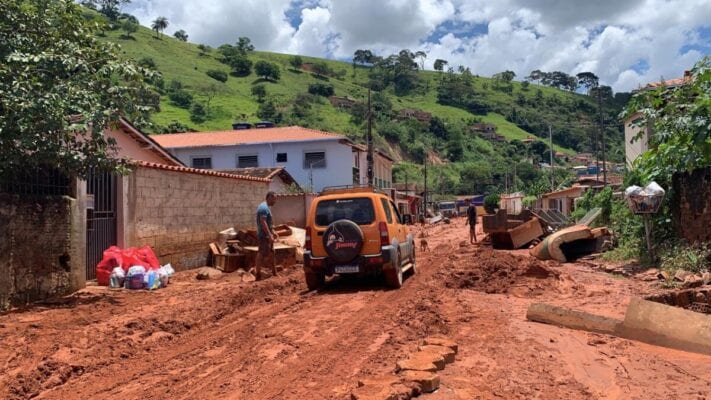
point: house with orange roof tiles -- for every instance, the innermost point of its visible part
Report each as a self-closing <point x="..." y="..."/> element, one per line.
<point x="315" y="159"/>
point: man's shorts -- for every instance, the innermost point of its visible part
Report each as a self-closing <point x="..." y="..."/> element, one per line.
<point x="266" y="247"/>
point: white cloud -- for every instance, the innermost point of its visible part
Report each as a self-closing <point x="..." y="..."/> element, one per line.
<point x="607" y="37"/>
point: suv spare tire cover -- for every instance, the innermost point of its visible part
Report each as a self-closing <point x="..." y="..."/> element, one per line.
<point x="343" y="240"/>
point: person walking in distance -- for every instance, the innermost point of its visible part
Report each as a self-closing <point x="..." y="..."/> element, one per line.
<point x="266" y="235"/>
<point x="471" y="221"/>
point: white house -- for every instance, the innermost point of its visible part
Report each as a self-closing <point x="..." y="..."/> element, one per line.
<point x="314" y="158"/>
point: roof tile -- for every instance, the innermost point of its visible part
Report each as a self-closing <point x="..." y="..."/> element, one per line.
<point x="242" y="136"/>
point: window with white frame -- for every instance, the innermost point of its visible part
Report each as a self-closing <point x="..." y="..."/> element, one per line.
<point x="201" y="162"/>
<point x="248" y="161"/>
<point x="315" y="159"/>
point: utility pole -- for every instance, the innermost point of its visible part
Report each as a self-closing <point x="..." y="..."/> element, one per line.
<point x="370" y="143"/>
<point x="602" y="139"/>
<point x="550" y="150"/>
<point x="425" y="194"/>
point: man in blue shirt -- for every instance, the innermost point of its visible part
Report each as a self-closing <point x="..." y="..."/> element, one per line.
<point x="266" y="235"/>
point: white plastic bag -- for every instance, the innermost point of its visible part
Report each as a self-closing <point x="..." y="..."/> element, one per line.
<point x="117" y="278"/>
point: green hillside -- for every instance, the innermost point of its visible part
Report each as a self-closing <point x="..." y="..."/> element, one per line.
<point x="524" y="111"/>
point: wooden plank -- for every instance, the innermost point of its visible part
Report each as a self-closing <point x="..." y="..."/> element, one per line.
<point x="214" y="249"/>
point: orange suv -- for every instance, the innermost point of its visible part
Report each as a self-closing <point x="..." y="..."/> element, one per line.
<point x="356" y="230"/>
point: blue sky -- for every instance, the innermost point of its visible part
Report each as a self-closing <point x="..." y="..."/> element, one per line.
<point x="626" y="43"/>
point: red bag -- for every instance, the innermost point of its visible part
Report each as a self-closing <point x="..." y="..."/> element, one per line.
<point x="124" y="258"/>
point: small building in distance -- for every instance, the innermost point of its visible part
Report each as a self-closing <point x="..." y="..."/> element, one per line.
<point x="342" y="102"/>
<point x="422" y="116"/>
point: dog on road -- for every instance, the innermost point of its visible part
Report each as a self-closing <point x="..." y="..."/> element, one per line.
<point x="423" y="245"/>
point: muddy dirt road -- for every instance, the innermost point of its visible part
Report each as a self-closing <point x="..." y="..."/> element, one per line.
<point x="274" y="340"/>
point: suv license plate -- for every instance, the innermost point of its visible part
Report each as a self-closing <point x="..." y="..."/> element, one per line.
<point x="346" y="269"/>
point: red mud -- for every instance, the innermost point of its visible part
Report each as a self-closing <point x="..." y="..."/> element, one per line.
<point x="273" y="339"/>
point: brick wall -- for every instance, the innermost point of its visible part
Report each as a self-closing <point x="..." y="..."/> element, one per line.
<point x="692" y="205"/>
<point x="42" y="246"/>
<point x="179" y="213"/>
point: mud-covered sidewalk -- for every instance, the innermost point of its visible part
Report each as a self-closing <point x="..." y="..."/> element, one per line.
<point x="224" y="339"/>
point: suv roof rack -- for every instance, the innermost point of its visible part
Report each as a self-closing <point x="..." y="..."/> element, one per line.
<point x="349" y="189"/>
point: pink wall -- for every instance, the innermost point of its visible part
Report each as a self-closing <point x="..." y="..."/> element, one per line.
<point x="131" y="148"/>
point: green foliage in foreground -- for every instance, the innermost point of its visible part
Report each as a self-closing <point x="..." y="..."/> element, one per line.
<point x="60" y="87"/>
<point x="680" y="119"/>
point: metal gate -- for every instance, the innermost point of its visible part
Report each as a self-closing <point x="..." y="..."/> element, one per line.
<point x="100" y="218"/>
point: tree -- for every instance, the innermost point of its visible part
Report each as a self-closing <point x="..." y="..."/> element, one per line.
<point x="506" y="76"/>
<point x="536" y="75"/>
<point x="267" y="70"/>
<point x="296" y="62"/>
<point x="241" y="66"/>
<point x="260" y="92"/>
<point x="605" y="92"/>
<point x="181" y="98"/>
<point x="439" y="64"/>
<point x="679" y="119"/>
<point x="159" y="24"/>
<point x="181" y="35"/>
<point x="244" y="45"/>
<point x="267" y="111"/>
<point x="524" y="85"/>
<point x="422" y="56"/>
<point x="60" y="88"/>
<point x="321" y="69"/>
<point x="362" y="57"/>
<point x="321" y="89"/>
<point x="210" y="91"/>
<point x="129" y="27"/>
<point x="110" y="8"/>
<point x="588" y="80"/>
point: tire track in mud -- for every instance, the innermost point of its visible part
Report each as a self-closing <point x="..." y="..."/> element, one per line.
<point x="355" y="327"/>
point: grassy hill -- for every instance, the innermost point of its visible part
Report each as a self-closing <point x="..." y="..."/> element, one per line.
<point x="572" y="115"/>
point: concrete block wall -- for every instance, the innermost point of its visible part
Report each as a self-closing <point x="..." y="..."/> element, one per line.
<point x="179" y="213"/>
<point x="42" y="248"/>
<point x="691" y="205"/>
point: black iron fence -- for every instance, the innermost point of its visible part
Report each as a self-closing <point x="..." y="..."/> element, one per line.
<point x="38" y="181"/>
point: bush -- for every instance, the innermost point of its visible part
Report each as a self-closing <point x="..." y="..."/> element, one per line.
<point x="694" y="258"/>
<point x="491" y="203"/>
<point x="181" y="98"/>
<point x="321" y="89"/>
<point x="217" y="75"/>
<point x="147" y="62"/>
<point x="198" y="113"/>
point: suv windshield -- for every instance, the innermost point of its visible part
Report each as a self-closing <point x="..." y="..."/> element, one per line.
<point x="358" y="210"/>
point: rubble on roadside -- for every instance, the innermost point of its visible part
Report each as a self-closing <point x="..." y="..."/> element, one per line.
<point x="236" y="250"/>
<point x="416" y="373"/>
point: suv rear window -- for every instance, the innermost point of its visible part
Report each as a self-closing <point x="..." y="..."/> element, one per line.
<point x="358" y="210"/>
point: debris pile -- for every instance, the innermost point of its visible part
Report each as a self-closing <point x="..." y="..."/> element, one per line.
<point x="236" y="250"/>
<point x="132" y="268"/>
<point x="495" y="272"/>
